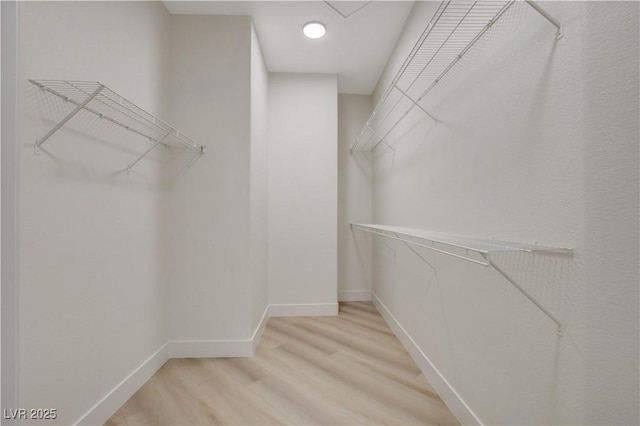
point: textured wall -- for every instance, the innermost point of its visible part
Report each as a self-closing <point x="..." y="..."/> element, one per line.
<point x="91" y="299"/>
<point x="303" y="189"/>
<point x="354" y="200"/>
<point x="538" y="142"/>
<point x="209" y="296"/>
<point x="259" y="181"/>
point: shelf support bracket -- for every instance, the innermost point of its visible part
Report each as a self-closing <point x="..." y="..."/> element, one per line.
<point x="547" y="16"/>
<point x="158" y="142"/>
<point x="415" y="103"/>
<point x="506" y="276"/>
<point x="378" y="136"/>
<point x="67" y="118"/>
<point x="373" y="131"/>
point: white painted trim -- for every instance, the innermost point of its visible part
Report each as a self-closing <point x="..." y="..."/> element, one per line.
<point x="257" y="334"/>
<point x="220" y="348"/>
<point x="454" y="401"/>
<point x="112" y="401"/>
<point x="354" y="296"/>
<point x="303" y="310"/>
<point x="210" y="348"/>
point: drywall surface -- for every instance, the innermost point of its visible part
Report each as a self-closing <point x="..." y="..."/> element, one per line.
<point x="259" y="179"/>
<point x="10" y="87"/>
<point x="208" y="199"/>
<point x="611" y="213"/>
<point x="91" y="302"/>
<point x="537" y="142"/>
<point x="303" y="188"/>
<point x="354" y="200"/>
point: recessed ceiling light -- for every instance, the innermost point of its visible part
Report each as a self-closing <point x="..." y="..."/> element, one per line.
<point x="314" y="29"/>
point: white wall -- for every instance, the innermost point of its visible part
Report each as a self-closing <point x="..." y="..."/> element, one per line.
<point x="175" y="251"/>
<point x="91" y="302"/>
<point x="208" y="266"/>
<point x="354" y="201"/>
<point x="303" y="191"/>
<point x="10" y="88"/>
<point x="612" y="214"/>
<point x="259" y="182"/>
<point x="538" y="141"/>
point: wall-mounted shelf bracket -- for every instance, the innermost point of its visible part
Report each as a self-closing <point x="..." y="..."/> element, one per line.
<point x="130" y="166"/>
<point x="373" y="131"/>
<point x="69" y="116"/>
<point x="487" y="257"/>
<point x="451" y="245"/>
<point x="415" y="103"/>
<point x="547" y="16"/>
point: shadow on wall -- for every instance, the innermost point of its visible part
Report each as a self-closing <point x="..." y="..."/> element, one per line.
<point x="497" y="44"/>
<point x="437" y="299"/>
<point x="89" y="147"/>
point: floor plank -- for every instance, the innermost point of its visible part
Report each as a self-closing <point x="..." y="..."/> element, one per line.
<point x="344" y="370"/>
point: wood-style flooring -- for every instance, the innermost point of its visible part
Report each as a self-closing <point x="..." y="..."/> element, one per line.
<point x="344" y="370"/>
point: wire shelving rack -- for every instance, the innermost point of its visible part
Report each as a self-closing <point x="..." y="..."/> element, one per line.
<point x="462" y="247"/>
<point x="96" y="98"/>
<point x="453" y="30"/>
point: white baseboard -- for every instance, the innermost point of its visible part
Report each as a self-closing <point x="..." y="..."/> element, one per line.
<point x="448" y="394"/>
<point x="257" y="334"/>
<point x="219" y="348"/>
<point x="110" y="403"/>
<point x="354" y="296"/>
<point x="103" y="409"/>
<point x="210" y="348"/>
<point x="303" y="310"/>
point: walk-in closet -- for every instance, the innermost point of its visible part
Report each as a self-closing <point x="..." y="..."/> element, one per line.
<point x="320" y="212"/>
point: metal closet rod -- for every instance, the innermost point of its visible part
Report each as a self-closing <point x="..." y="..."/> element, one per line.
<point x="486" y="255"/>
<point x="416" y="49"/>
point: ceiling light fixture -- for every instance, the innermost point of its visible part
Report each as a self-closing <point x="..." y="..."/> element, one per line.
<point x="314" y="29"/>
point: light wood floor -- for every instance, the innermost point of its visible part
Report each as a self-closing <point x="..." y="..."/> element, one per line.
<point x="344" y="370"/>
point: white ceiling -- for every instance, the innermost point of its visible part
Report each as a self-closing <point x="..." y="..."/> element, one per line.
<point x="356" y="48"/>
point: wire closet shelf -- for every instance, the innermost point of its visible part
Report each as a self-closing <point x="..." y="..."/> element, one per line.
<point x="96" y="98"/>
<point x="461" y="247"/>
<point x="454" y="29"/>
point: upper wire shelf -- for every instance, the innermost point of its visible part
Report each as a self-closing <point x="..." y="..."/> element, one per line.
<point x="459" y="247"/>
<point x="96" y="98"/>
<point x="453" y="30"/>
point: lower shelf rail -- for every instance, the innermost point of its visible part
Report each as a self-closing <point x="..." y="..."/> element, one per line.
<point x="448" y="244"/>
